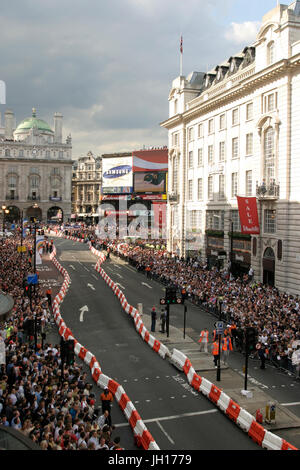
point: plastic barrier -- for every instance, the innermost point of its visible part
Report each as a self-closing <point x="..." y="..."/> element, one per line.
<point x="127" y="407"/>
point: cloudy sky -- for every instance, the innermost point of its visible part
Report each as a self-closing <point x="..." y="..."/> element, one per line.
<point x="108" y="65"/>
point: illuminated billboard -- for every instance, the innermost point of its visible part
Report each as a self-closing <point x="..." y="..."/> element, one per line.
<point x="117" y="175"/>
<point x="150" y="182"/>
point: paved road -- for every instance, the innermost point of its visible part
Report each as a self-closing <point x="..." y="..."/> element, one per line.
<point x="176" y="416"/>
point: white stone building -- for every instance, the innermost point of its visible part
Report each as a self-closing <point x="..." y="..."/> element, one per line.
<point x="86" y="187"/>
<point x="35" y="168"/>
<point x="236" y="131"/>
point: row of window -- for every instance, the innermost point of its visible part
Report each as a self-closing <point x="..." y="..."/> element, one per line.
<point x="221" y="192"/>
<point x="215" y="220"/>
<point x="211" y="157"/>
<point x="35" y="153"/>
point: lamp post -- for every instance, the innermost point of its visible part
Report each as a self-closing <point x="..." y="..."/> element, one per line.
<point x="4" y="211"/>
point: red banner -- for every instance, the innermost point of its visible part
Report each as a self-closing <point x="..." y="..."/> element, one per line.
<point x="248" y="215"/>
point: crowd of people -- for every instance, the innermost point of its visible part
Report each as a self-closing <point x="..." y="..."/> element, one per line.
<point x="242" y="301"/>
<point x="49" y="401"/>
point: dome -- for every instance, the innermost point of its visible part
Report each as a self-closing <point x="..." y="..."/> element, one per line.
<point x="33" y="123"/>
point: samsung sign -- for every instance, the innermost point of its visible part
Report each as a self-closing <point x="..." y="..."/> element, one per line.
<point x="117" y="175"/>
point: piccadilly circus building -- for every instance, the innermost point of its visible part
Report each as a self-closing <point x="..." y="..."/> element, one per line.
<point x="234" y="131"/>
<point x="35" y="169"/>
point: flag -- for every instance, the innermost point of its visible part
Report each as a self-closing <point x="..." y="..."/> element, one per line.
<point x="181" y="45"/>
<point x="248" y="215"/>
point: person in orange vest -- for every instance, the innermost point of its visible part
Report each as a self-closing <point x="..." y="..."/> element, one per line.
<point x="106" y="398"/>
<point x="226" y="347"/>
<point x="215" y="352"/>
<point x="203" y="340"/>
<point x="214" y="336"/>
<point x="232" y="330"/>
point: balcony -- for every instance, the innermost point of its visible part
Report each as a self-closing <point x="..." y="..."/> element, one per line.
<point x="270" y="191"/>
<point x="12" y="197"/>
<point x="33" y="198"/>
<point x="173" y="197"/>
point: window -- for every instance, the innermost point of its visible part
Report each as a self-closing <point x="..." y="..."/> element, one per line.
<point x="194" y="220"/>
<point x="249" y="183"/>
<point x="279" y="250"/>
<point x="270" y="221"/>
<point x="47" y="153"/>
<point x="55" y="182"/>
<point x="175" y="106"/>
<point x="249" y="144"/>
<point x="12" y="182"/>
<point x="200" y="131"/>
<point x="271" y="53"/>
<point x="235" y="148"/>
<point x="200" y="157"/>
<point x="222" y="121"/>
<point x="211" y="126"/>
<point x="175" y="175"/>
<point x="235" y="117"/>
<point x="175" y="139"/>
<point x="210" y="154"/>
<point x="34" y="182"/>
<point x="222" y="152"/>
<point x="221" y="187"/>
<point x="200" y="189"/>
<point x="269" y="157"/>
<point x="235" y="217"/>
<point x="7" y="152"/>
<point x="191" y="134"/>
<point x="234" y="184"/>
<point x="210" y="188"/>
<point x="191" y="159"/>
<point x="21" y="153"/>
<point x="215" y="220"/>
<point x="270" y="102"/>
<point x="190" y="190"/>
<point x="249" y="111"/>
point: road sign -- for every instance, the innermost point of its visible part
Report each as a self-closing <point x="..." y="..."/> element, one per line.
<point x="162" y="301"/>
<point x="219" y="325"/>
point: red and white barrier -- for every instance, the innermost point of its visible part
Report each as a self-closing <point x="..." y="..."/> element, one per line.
<point x="141" y="434"/>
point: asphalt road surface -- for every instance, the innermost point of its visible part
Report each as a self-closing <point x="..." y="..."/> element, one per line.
<point x="177" y="417"/>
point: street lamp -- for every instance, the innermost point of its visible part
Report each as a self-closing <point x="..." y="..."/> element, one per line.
<point x="4" y="211"/>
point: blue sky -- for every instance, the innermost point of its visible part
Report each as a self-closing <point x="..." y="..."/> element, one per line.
<point x="108" y="65"/>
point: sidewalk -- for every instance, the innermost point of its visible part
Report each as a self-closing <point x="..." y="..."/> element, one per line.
<point x="232" y="383"/>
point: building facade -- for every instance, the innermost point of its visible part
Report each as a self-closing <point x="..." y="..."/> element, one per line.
<point x="35" y="169"/>
<point x="86" y="187"/>
<point x="234" y="131"/>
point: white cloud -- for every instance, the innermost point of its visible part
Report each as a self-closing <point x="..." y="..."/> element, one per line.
<point x="243" y="33"/>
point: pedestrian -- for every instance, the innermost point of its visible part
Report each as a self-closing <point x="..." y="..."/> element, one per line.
<point x="153" y="319"/>
<point x="106" y="400"/>
<point x="163" y="320"/>
<point x="215" y="352"/>
<point x="226" y="347"/>
<point x="204" y="340"/>
<point x="49" y="296"/>
<point x="262" y="355"/>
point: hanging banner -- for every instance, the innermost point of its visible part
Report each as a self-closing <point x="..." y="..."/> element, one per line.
<point x="39" y="250"/>
<point x="248" y="215"/>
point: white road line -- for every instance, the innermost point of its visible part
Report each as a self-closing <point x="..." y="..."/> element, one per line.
<point x="296" y="403"/>
<point x="167" y="418"/>
<point x="165" y="433"/>
<point x="95" y="277"/>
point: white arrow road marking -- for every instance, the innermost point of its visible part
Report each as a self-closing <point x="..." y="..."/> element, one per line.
<point x="91" y="286"/>
<point x="120" y="285"/>
<point x="71" y="266"/>
<point x="82" y="310"/>
<point x="147" y="285"/>
<point x="119" y="275"/>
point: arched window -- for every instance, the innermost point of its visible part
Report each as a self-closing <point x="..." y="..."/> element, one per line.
<point x="271" y="53"/>
<point x="269" y="155"/>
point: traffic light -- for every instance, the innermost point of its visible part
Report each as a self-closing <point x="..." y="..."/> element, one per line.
<point x="171" y="295"/>
<point x="251" y="338"/>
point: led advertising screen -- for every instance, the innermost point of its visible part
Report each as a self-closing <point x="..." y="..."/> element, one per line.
<point x="150" y="182"/>
<point x="117" y="175"/>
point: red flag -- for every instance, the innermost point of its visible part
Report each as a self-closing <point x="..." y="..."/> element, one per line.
<point x="248" y="215"/>
<point x="181" y="45"/>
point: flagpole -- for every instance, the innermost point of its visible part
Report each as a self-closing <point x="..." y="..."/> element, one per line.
<point x="181" y="56"/>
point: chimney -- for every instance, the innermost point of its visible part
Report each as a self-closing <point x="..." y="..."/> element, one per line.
<point x="58" y="117"/>
<point x="9" y="118"/>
